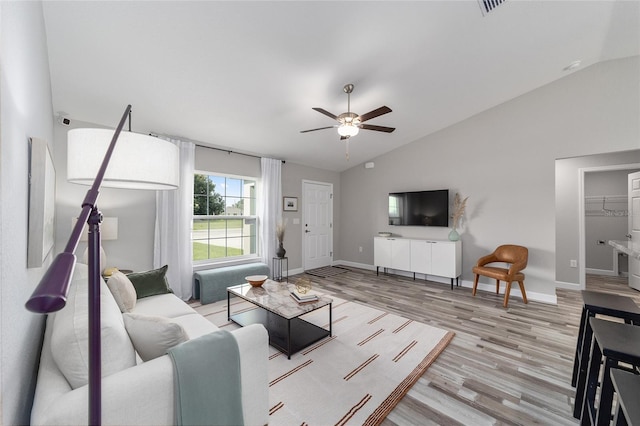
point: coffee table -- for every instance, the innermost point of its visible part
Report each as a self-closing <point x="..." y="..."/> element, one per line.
<point x="280" y="315"/>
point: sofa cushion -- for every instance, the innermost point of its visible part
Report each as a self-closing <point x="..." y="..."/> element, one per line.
<point x="150" y="283"/>
<point x="195" y="325"/>
<point x="152" y="336"/>
<point x="123" y="291"/>
<point x="70" y="335"/>
<point x="163" y="305"/>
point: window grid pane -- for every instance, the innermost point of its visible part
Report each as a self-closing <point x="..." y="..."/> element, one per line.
<point x="234" y="232"/>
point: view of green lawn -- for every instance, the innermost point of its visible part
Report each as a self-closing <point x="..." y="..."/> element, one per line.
<point x="203" y="251"/>
<point x="202" y="225"/>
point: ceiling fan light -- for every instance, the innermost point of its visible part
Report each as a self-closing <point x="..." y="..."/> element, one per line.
<point x="348" y="129"/>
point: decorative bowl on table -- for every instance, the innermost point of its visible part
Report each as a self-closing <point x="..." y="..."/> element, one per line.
<point x="384" y="234"/>
<point x="256" y="280"/>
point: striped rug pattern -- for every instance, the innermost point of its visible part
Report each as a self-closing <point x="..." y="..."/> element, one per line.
<point x="354" y="377"/>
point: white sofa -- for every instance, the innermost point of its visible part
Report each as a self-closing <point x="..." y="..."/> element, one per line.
<point x="133" y="392"/>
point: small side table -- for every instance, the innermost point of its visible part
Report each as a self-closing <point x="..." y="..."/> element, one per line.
<point x="280" y="268"/>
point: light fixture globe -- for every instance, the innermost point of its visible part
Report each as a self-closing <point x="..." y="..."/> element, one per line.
<point x="348" y="130"/>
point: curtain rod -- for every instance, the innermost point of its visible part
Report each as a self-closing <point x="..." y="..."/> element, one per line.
<point x="228" y="151"/>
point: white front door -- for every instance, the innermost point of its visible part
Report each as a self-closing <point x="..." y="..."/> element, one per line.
<point x="634" y="227"/>
<point x="317" y="199"/>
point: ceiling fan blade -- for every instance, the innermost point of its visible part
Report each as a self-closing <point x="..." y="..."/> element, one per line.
<point x="325" y="112"/>
<point x="375" y="113"/>
<point x="319" y="128"/>
<point x="377" y="128"/>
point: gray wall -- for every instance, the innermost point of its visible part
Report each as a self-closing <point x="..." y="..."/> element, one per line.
<point x="601" y="226"/>
<point x="26" y="111"/>
<point x="135" y="210"/>
<point x="504" y="160"/>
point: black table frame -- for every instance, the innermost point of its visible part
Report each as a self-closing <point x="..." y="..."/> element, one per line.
<point x="288" y="335"/>
<point x="596" y="303"/>
<point x="618" y="343"/>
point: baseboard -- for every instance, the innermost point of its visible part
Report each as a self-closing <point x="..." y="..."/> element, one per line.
<point x="551" y="299"/>
<point x="568" y="286"/>
<point x="603" y="272"/>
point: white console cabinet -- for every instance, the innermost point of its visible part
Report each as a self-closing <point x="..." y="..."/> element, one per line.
<point x="442" y="258"/>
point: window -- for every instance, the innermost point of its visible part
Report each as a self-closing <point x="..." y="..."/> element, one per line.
<point x="224" y="218"/>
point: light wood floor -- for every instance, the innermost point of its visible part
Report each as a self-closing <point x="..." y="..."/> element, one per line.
<point x="505" y="366"/>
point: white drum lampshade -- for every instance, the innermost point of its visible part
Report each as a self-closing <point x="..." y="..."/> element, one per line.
<point x="138" y="161"/>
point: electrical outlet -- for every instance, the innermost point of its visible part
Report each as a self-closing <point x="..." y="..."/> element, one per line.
<point x="360" y="249"/>
<point x="573" y="263"/>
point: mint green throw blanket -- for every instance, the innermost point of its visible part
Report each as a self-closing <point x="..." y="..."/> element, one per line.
<point x="207" y="385"/>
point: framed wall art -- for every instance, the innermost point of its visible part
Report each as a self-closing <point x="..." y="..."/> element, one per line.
<point x="42" y="197"/>
<point x="290" y="204"/>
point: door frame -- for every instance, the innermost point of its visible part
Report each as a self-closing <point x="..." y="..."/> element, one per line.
<point x="302" y="208"/>
<point x="582" y="239"/>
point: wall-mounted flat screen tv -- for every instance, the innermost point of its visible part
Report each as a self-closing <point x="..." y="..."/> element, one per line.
<point x="419" y="208"/>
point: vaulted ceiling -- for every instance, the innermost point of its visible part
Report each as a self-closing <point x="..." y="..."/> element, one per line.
<point x="245" y="75"/>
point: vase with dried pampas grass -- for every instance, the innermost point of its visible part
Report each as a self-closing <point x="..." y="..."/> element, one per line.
<point x="459" y="206"/>
<point x="280" y="228"/>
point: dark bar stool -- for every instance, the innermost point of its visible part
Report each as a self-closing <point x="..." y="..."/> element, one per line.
<point x="618" y="343"/>
<point x="627" y="386"/>
<point x="596" y="303"/>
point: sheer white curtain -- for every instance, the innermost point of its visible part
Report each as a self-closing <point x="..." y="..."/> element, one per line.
<point x="174" y="209"/>
<point x="270" y="207"/>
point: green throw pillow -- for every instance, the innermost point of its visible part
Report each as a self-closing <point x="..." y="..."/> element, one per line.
<point x="150" y="283"/>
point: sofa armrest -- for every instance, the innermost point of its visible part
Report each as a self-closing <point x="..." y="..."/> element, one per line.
<point x="144" y="394"/>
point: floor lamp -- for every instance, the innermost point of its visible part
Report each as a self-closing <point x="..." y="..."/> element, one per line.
<point x="138" y="162"/>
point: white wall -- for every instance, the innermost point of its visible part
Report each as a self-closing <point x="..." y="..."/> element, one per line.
<point x="504" y="160"/>
<point x="25" y="111"/>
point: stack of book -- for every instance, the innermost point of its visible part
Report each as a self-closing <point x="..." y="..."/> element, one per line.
<point x="303" y="298"/>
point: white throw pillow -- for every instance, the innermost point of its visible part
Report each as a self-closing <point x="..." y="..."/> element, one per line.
<point x="123" y="291"/>
<point x="70" y="336"/>
<point x="152" y="336"/>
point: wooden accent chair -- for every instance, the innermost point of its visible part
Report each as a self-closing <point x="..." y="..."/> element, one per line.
<point x="517" y="256"/>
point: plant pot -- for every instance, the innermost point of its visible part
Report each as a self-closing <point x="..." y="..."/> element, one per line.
<point x="280" y="252"/>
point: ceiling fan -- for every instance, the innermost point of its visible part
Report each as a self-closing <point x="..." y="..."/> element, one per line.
<point x="350" y="122"/>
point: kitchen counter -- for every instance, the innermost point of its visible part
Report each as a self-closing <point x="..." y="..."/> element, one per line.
<point x="628" y="247"/>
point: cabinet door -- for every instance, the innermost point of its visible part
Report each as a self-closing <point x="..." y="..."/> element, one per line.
<point x="382" y="252"/>
<point x="401" y="254"/>
<point x="444" y="259"/>
<point x="421" y="256"/>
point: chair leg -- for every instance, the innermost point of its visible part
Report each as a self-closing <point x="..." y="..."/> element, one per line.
<point x="497" y="286"/>
<point x="506" y="294"/>
<point x="475" y="284"/>
<point x="524" y="293"/>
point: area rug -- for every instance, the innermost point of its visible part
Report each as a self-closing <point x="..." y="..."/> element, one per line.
<point x="357" y="376"/>
<point x="326" y="271"/>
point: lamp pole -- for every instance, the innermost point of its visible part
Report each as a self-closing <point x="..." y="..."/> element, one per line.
<point x="51" y="293"/>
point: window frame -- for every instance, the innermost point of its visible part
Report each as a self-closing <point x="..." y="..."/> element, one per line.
<point x="227" y="259"/>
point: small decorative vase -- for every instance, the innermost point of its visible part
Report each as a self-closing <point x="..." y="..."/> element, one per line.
<point x="453" y="235"/>
<point x="281" y="251"/>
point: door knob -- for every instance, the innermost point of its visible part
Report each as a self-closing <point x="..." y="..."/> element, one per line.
<point x="306" y="231"/>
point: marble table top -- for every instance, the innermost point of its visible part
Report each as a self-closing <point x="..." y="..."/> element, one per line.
<point x="276" y="297"/>
<point x="629" y="247"/>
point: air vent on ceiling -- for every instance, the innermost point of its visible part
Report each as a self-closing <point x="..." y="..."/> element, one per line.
<point x="488" y="5"/>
